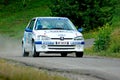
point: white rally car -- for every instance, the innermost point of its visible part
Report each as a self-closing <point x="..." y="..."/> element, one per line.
<point x="52" y="35"/>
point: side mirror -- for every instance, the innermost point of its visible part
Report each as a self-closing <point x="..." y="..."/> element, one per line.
<point x="28" y="30"/>
<point x="80" y="29"/>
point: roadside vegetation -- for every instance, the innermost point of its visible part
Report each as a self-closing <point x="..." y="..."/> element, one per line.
<point x="12" y="71"/>
<point x="107" y="38"/>
<point x="107" y="46"/>
<point x="107" y="42"/>
<point x="15" y="16"/>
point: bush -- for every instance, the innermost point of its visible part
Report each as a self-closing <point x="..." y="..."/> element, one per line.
<point x="115" y="42"/>
<point x="85" y="13"/>
<point x="102" y="41"/>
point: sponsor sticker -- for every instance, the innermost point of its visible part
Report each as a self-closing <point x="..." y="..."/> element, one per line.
<point x="75" y="43"/>
<point x="48" y="43"/>
<point x="62" y="43"/>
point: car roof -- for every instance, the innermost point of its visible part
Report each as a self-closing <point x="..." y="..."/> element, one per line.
<point x="50" y="18"/>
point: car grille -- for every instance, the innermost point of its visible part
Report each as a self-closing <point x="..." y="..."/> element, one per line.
<point x="61" y="47"/>
<point x="59" y="38"/>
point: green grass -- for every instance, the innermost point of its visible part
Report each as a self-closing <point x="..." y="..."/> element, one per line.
<point x="13" y="20"/>
<point x="91" y="52"/>
<point x="16" y="23"/>
<point x="115" y="41"/>
<point x="12" y="71"/>
<point x="90" y="34"/>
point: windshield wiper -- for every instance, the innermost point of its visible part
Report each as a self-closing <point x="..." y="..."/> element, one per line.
<point x="58" y="28"/>
<point x="44" y="28"/>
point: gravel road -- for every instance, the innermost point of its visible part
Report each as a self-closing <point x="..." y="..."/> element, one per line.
<point x="86" y="68"/>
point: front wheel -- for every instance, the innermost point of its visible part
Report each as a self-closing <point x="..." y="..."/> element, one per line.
<point x="79" y="54"/>
<point x="25" y="54"/>
<point x="34" y="53"/>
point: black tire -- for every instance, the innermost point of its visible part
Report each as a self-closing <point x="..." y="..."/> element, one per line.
<point x="79" y="54"/>
<point x="63" y="54"/>
<point x="34" y="53"/>
<point x="25" y="54"/>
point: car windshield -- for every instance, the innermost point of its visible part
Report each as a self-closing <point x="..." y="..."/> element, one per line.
<point x="54" y="23"/>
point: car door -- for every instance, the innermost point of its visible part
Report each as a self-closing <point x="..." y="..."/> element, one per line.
<point x="28" y="34"/>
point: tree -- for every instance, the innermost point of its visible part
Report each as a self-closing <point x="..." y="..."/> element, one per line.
<point x="89" y="14"/>
<point x="5" y="2"/>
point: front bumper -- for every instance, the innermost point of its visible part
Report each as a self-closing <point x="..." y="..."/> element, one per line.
<point x="59" y="46"/>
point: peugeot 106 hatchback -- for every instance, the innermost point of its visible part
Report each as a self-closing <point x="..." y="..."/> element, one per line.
<point x="52" y="35"/>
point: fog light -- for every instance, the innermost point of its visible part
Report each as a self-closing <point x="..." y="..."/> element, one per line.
<point x="43" y="46"/>
<point x="78" y="46"/>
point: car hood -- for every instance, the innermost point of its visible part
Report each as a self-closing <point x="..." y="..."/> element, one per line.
<point x="58" y="33"/>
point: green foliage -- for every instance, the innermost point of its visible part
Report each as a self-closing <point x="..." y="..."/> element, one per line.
<point x="16" y="6"/>
<point x="65" y="8"/>
<point x="102" y="40"/>
<point x="115" y="41"/>
<point x="90" y="52"/>
<point x="86" y="13"/>
<point x="14" y="17"/>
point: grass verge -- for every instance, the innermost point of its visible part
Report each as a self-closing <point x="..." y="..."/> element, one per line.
<point x="91" y="52"/>
<point x="9" y="71"/>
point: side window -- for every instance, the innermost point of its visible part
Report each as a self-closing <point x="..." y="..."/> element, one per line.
<point x="31" y="25"/>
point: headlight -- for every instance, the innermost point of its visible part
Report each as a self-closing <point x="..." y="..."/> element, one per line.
<point x="43" y="38"/>
<point x="79" y="38"/>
